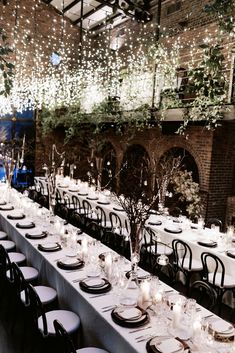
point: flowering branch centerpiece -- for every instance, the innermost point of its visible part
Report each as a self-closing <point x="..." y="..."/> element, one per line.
<point x="142" y="188"/>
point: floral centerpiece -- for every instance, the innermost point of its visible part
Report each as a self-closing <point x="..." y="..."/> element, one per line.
<point x="188" y="192"/>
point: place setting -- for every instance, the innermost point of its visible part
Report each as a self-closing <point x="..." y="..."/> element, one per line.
<point x="36" y="234"/>
<point x="173" y="228"/>
<point x="49" y="246"/>
<point x="25" y="224"/>
<point x="230" y="253"/>
<point x="219" y="329"/>
<point x="16" y="215"/>
<point x="209" y="243"/>
<point x="95" y="285"/>
<point x="6" y="207"/>
<point x="70" y="263"/>
<point x="165" y="344"/>
<point x="129" y="317"/>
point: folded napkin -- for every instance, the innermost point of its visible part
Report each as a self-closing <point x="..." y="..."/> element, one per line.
<point x="50" y="246"/>
<point x="25" y="224"/>
<point x="173" y="229"/>
<point x="94" y="282"/>
<point x="70" y="261"/>
<point x="6" y="207"/>
<point x="36" y="234"/>
<point x="169" y="345"/>
<point x="16" y="215"/>
<point x="130" y="313"/>
<point x="119" y="209"/>
<point x="208" y="243"/>
<point x="155" y="223"/>
<point x="92" y="197"/>
<point x="231" y="253"/>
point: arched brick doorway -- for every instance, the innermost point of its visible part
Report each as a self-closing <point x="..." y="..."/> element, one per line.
<point x="134" y="169"/>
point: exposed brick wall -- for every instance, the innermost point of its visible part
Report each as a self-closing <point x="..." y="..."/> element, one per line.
<point x="213" y="151"/>
<point x="230" y="216"/>
<point x="32" y="30"/>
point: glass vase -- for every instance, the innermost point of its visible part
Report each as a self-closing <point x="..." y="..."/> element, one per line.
<point x="136" y="235"/>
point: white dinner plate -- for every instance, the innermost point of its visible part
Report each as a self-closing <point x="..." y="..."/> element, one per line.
<point x="69" y="261"/>
<point x="49" y="245"/>
<point x="221" y="326"/>
<point x="173" y="228"/>
<point x="169" y="345"/>
<point x="130" y="313"/>
<point x="94" y="282"/>
<point x="16" y="214"/>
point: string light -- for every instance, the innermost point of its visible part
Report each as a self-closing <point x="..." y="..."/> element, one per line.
<point x="82" y="76"/>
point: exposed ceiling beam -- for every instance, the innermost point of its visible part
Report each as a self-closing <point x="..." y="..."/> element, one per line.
<point x="70" y="6"/>
<point x="105" y="22"/>
<point x="107" y="3"/>
<point x="89" y="13"/>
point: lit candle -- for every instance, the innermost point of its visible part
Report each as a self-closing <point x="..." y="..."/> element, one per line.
<point x="84" y="247"/>
<point x="145" y="291"/>
<point x="176" y="314"/>
<point x="157" y="297"/>
<point x="108" y="263"/>
<point x="230" y="230"/>
<point x="197" y="326"/>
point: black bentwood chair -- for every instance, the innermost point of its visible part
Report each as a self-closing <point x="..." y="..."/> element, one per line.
<point x="214" y="222"/>
<point x="204" y="294"/>
<point x="184" y="262"/>
<point x="41" y="320"/>
<point x="152" y="249"/>
<point x="214" y="274"/>
<point x="65" y="343"/>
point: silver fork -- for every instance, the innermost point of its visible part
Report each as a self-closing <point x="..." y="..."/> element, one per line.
<point x="140" y="329"/>
<point x="109" y="309"/>
<point x="147" y="337"/>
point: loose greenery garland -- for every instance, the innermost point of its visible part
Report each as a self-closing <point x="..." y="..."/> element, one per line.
<point x="6" y="68"/>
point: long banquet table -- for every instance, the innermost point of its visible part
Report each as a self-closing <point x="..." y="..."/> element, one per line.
<point x="189" y="235"/>
<point x="97" y="326"/>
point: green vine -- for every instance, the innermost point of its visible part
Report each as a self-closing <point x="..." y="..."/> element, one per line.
<point x="223" y="10"/>
<point x="209" y="86"/>
<point x="6" y="68"/>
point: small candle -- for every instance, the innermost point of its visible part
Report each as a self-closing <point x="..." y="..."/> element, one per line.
<point x="176" y="314"/>
<point x="108" y="263"/>
<point x="57" y="225"/>
<point x="230" y="230"/>
<point x="84" y="247"/>
<point x="158" y="297"/>
<point x="145" y="291"/>
<point x="197" y="326"/>
<point x="200" y="223"/>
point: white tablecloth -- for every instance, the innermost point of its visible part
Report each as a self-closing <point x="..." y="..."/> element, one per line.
<point x="98" y="328"/>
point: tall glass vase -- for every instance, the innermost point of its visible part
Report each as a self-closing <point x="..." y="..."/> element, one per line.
<point x="99" y="166"/>
<point x="136" y="235"/>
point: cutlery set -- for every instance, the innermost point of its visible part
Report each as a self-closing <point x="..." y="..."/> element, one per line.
<point x="140" y="329"/>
